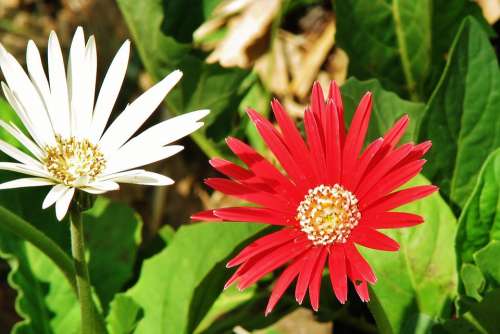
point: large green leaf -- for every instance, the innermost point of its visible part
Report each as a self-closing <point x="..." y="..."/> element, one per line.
<point x="482" y="318"/>
<point x="478" y="235"/>
<point x="387" y="107"/>
<point x="462" y="115"/>
<point x="30" y="301"/>
<point x="154" y="27"/>
<point x="123" y="316"/>
<point x="113" y="234"/>
<point x="415" y="285"/>
<point x="399" y="41"/>
<point x="178" y="286"/>
<point x="46" y="301"/>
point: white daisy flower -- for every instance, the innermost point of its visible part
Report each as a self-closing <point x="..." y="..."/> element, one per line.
<point x="68" y="145"/>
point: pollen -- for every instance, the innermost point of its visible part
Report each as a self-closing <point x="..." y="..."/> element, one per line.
<point x="328" y="214"/>
<point x="71" y="159"/>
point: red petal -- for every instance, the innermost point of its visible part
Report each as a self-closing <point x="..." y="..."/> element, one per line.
<point x="240" y="271"/>
<point x="359" y="283"/>
<point x="370" y="238"/>
<point x="259" y="165"/>
<point x="338" y="275"/>
<point x="415" y="154"/>
<point x="318" y="102"/>
<point x="252" y="214"/>
<point x="364" y="161"/>
<point x="393" y="136"/>
<point x="283" y="283"/>
<point x="251" y="194"/>
<point x="207" y="215"/>
<point x="273" y="260"/>
<point x="292" y="138"/>
<point x="356" y="135"/>
<point x="399" y="198"/>
<point x="335" y="95"/>
<point x="276" y="145"/>
<point x="356" y="260"/>
<point x="315" y="144"/>
<point x="381" y="169"/>
<point x="392" y="220"/>
<point x="315" y="285"/>
<point x="392" y="181"/>
<point x="263" y="244"/>
<point x="332" y="144"/>
<point x="230" y="169"/>
<point x="310" y="259"/>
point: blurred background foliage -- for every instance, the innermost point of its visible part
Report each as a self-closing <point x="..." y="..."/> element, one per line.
<point x="154" y="272"/>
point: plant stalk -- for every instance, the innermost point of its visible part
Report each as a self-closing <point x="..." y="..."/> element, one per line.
<point x="82" y="272"/>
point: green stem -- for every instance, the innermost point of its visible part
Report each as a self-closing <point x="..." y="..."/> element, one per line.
<point x="82" y="272"/>
<point x="28" y="232"/>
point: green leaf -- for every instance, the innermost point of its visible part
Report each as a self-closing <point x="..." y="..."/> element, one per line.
<point x="416" y="284"/>
<point x="482" y="317"/>
<point x="389" y="40"/>
<point x="473" y="280"/>
<point x="113" y="233"/>
<point x="30" y="304"/>
<point x="45" y="299"/>
<point x="399" y="41"/>
<point x="228" y="300"/>
<point x="487" y="260"/>
<point x="478" y="232"/>
<point x="178" y="286"/>
<point x="461" y="118"/>
<point x="387" y="107"/>
<point x="154" y="28"/>
<point x="123" y="316"/>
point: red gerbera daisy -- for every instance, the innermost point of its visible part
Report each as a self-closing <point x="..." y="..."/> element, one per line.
<point x="332" y="197"/>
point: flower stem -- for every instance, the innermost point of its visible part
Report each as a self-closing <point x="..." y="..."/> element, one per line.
<point x="82" y="272"/>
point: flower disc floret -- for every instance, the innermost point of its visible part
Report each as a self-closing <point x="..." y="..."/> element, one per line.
<point x="328" y="214"/>
<point x="71" y="158"/>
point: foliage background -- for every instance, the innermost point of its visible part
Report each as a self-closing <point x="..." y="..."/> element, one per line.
<point x="155" y="272"/>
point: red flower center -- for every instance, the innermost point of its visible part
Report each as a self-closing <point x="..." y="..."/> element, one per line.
<point x="328" y="214"/>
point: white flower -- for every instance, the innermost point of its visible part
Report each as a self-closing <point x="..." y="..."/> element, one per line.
<point x="67" y="143"/>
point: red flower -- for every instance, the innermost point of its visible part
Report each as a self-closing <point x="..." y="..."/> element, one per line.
<point x="332" y="197"/>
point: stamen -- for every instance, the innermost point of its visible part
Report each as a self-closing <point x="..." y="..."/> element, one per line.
<point x="328" y="214"/>
<point x="71" y="159"/>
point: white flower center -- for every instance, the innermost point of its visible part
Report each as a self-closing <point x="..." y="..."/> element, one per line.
<point x="328" y="214"/>
<point x="72" y="159"/>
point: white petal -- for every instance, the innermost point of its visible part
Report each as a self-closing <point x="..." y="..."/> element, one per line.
<point x="37" y="75"/>
<point x="100" y="187"/>
<point x="87" y="85"/>
<point x="21" y="113"/>
<point x="110" y="89"/>
<point x="22" y="138"/>
<point x="26" y="182"/>
<point x="76" y="79"/>
<point x="143" y="177"/>
<point x="24" y="169"/>
<point x="54" y="195"/>
<point x="120" y="162"/>
<point x="18" y="155"/>
<point x="58" y="86"/>
<point x="63" y="203"/>
<point x="168" y="131"/>
<point x="28" y="96"/>
<point x="131" y="119"/>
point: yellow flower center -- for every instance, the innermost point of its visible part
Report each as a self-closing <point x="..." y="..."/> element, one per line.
<point x="72" y="159"/>
<point x="328" y="214"/>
